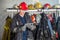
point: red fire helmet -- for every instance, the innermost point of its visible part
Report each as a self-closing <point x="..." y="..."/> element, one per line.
<point x="23" y="6"/>
<point x="47" y="5"/>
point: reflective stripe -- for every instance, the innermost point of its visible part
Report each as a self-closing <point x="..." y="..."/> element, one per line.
<point x="6" y="27"/>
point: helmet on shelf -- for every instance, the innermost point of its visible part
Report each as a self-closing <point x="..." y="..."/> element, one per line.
<point x="31" y="7"/>
<point x="15" y="6"/>
<point x="47" y="5"/>
<point x="38" y="5"/>
<point x="56" y="6"/>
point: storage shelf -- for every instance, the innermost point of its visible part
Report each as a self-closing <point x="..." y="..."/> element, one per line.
<point x="37" y="10"/>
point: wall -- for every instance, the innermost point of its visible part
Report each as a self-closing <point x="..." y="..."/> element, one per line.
<point x="9" y="3"/>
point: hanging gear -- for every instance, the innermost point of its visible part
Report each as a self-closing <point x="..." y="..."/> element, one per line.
<point x="47" y="5"/>
<point x="38" y="5"/>
<point x="57" y="35"/>
<point x="6" y="33"/>
<point x="31" y="7"/>
<point x="38" y="17"/>
<point x="56" y="6"/>
<point x="45" y="31"/>
<point x="50" y="17"/>
<point x="53" y="22"/>
<point x="23" y="6"/>
<point x="33" y="18"/>
<point x="15" y="6"/>
<point x="58" y="26"/>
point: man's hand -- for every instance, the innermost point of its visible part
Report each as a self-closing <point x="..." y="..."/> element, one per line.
<point x="30" y="26"/>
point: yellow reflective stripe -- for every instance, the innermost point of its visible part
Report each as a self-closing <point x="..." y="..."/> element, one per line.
<point x="5" y="27"/>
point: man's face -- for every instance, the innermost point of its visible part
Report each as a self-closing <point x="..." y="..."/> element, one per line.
<point x="22" y="11"/>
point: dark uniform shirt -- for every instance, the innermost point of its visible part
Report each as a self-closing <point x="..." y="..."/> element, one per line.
<point x="23" y="20"/>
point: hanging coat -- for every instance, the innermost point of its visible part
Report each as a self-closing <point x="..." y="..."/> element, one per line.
<point x="45" y="30"/>
<point x="58" y="25"/>
<point x="6" y="33"/>
<point x="17" y="23"/>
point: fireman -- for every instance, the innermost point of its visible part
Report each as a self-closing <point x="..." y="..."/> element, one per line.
<point x="19" y="20"/>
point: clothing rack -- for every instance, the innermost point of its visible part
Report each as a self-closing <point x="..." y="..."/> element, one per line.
<point x="12" y="10"/>
<point x="36" y="10"/>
